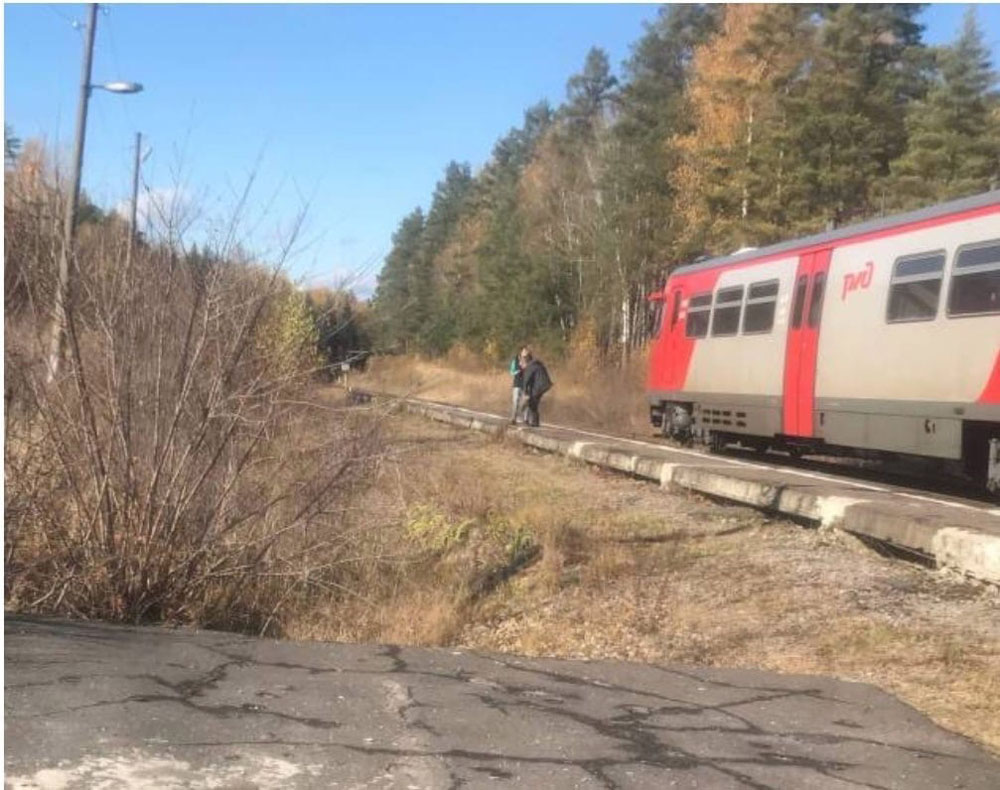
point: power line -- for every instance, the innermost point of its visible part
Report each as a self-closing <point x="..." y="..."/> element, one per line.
<point x="124" y="109"/>
<point x="73" y="23"/>
<point x="109" y="26"/>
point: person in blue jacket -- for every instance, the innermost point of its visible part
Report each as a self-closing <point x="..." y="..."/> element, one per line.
<point x="517" y="376"/>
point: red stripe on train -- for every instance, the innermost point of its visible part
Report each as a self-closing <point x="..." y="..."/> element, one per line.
<point x="991" y="392"/>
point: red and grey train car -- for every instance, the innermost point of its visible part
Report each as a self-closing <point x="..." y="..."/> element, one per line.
<point x="881" y="337"/>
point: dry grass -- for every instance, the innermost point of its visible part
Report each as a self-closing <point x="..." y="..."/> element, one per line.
<point x="611" y="568"/>
<point x="604" y="397"/>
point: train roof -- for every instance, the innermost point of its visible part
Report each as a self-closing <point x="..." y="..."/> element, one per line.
<point x="846" y="232"/>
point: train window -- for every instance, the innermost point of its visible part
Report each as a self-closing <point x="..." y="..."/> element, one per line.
<point x="763" y="290"/>
<point x="915" y="287"/>
<point x="762" y="298"/>
<point x="699" y="311"/>
<point x="677" y="308"/>
<point x="655" y="319"/>
<point x="726" y="316"/>
<point x="800" y="300"/>
<point x="816" y="300"/>
<point x="975" y="280"/>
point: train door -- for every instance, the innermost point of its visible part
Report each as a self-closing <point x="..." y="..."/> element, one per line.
<point x="803" y="343"/>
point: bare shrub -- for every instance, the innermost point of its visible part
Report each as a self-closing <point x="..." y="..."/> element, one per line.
<point x="32" y="217"/>
<point x="175" y="469"/>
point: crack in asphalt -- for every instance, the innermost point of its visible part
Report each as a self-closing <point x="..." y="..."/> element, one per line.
<point x="185" y="692"/>
<point x="770" y="693"/>
<point x="632" y="730"/>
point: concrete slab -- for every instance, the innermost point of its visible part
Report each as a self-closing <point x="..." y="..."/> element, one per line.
<point x="90" y="705"/>
<point x="955" y="533"/>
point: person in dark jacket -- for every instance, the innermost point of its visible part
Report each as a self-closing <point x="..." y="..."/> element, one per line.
<point x="535" y="384"/>
<point x="517" y="377"/>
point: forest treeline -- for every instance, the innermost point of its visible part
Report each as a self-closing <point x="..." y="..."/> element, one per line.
<point x="729" y="126"/>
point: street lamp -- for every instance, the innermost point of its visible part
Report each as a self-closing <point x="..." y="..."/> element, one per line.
<point x="64" y="285"/>
<point x="120" y="87"/>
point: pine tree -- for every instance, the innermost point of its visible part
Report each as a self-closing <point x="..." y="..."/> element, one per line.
<point x="654" y="110"/>
<point x="432" y="302"/>
<point x="581" y="142"/>
<point x="590" y="93"/>
<point x="392" y="304"/>
<point x="954" y="139"/>
<point x="446" y="206"/>
<point x="845" y="112"/>
<point x="653" y="100"/>
<point x="515" y="298"/>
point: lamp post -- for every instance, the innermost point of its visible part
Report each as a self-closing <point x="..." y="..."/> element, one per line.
<point x="135" y="202"/>
<point x="66" y="256"/>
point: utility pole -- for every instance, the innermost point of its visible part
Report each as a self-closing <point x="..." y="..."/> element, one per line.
<point x="67" y="258"/>
<point x="135" y="201"/>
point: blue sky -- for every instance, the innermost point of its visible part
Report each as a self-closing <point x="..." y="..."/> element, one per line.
<point x="353" y="110"/>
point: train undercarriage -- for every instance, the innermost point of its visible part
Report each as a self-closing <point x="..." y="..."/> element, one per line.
<point x="980" y="462"/>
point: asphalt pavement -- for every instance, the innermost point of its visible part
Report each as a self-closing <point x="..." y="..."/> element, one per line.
<point x="89" y="705"/>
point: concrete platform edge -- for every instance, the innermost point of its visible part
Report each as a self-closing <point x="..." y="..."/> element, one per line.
<point x="972" y="553"/>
